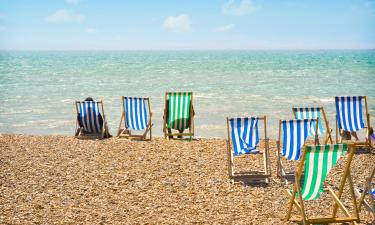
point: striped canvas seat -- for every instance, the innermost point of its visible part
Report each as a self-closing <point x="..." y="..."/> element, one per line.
<point x="295" y="133"/>
<point x="136" y="113"/>
<point x="179" y="110"/>
<point x="316" y="162"/>
<point x="349" y="113"/>
<point x="320" y="159"/>
<point x="244" y="135"/>
<point x="89" y="116"/>
<point x="311" y="113"/>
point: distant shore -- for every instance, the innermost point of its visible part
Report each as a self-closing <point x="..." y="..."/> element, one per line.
<point x="60" y="179"/>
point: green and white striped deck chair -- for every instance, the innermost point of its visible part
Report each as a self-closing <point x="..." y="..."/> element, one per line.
<point x="317" y="161"/>
<point x="178" y="114"/>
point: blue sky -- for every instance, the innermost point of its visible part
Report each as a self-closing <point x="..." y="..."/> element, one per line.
<point x="193" y="24"/>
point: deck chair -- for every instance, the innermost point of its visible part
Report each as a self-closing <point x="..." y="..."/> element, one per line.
<point x="349" y="117"/>
<point x="136" y="116"/>
<point x="317" y="161"/>
<point x="295" y="133"/>
<point x="91" y="122"/>
<point x="314" y="113"/>
<point x="243" y="138"/>
<point x="178" y="114"/>
<point x="368" y="190"/>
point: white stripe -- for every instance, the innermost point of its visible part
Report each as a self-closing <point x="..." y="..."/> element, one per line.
<point x="236" y="135"/>
<point x="139" y="106"/>
<point x="187" y="108"/>
<point x="346" y="114"/>
<point x="295" y="140"/>
<point x="130" y="125"/>
<point x="352" y="118"/>
<point x="340" y="112"/>
<point x="320" y="171"/>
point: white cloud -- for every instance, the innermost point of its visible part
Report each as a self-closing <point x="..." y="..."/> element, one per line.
<point x="239" y="8"/>
<point x="75" y="2"/>
<point x="64" y="16"/>
<point x="91" y="30"/>
<point x="180" y="23"/>
<point x="224" y="28"/>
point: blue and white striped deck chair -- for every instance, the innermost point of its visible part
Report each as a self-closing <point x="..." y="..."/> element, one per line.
<point x="136" y="116"/>
<point x="295" y="133"/>
<point x="349" y="117"/>
<point x="314" y="113"/>
<point x="90" y="120"/>
<point x="243" y="139"/>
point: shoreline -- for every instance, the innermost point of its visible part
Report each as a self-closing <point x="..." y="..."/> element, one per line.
<point x="59" y="179"/>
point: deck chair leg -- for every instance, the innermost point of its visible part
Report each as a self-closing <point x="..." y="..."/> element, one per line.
<point x="119" y="126"/>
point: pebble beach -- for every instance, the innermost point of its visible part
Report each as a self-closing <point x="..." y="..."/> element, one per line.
<point x="63" y="180"/>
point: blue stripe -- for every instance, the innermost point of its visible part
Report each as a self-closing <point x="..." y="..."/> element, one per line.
<point x="127" y="113"/>
<point x="244" y="134"/>
<point x="234" y="140"/>
<point x="292" y="139"/>
<point x="338" y="112"/>
<point x="284" y="139"/>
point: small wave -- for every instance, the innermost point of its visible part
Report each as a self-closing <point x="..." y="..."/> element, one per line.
<point x="326" y="100"/>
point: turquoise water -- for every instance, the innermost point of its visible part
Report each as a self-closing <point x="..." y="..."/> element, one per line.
<point x="38" y="89"/>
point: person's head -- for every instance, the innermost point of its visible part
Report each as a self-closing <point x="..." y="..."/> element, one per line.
<point x="89" y="99"/>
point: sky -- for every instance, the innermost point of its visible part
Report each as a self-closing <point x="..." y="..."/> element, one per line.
<point x="186" y="25"/>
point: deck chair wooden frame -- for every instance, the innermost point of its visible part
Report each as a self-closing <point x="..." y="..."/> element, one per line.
<point x="300" y="203"/>
<point x="249" y="176"/>
<point x="79" y="132"/>
<point x="168" y="134"/>
<point x="286" y="174"/>
<point x="125" y="132"/>
<point x="328" y="134"/>
<point x="367" y="142"/>
<point x="368" y="205"/>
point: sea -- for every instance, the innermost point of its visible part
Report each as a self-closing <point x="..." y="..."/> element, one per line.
<point x="38" y="88"/>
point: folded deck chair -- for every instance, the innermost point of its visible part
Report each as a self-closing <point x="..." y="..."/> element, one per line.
<point x="295" y="133"/>
<point x="136" y="115"/>
<point x="178" y="114"/>
<point x="349" y="117"/>
<point x="316" y="162"/>
<point x="369" y="192"/>
<point x="243" y="138"/>
<point x="91" y="122"/>
<point x="314" y="113"/>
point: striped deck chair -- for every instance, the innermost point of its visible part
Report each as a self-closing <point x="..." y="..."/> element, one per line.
<point x="369" y="192"/>
<point x="91" y="122"/>
<point x="243" y="138"/>
<point x="317" y="161"/>
<point x="295" y="133"/>
<point x="136" y="115"/>
<point x="314" y="113"/>
<point x="349" y="117"/>
<point x="178" y="114"/>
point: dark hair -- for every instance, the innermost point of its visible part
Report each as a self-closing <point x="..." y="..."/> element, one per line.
<point x="89" y="99"/>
